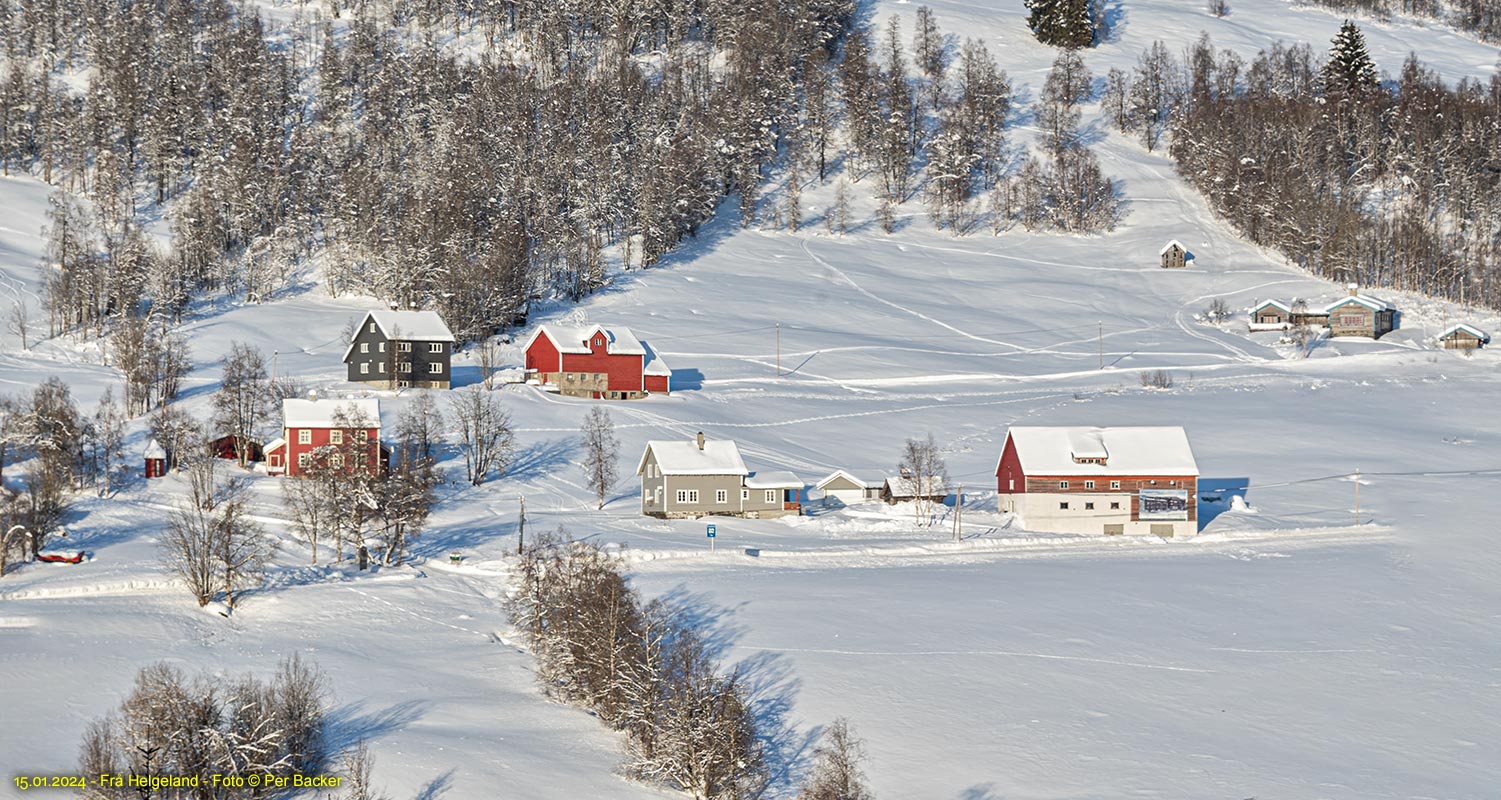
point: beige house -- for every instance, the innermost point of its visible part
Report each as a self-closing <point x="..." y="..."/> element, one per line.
<point x="1361" y="315"/>
<point x="703" y="478"/>
<point x="1174" y="255"/>
<point x="1464" y="337"/>
<point x="844" y="488"/>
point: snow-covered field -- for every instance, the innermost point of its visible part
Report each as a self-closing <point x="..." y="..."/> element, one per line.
<point x="1285" y="652"/>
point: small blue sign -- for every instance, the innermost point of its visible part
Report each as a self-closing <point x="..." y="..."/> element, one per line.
<point x="711" y="531"/>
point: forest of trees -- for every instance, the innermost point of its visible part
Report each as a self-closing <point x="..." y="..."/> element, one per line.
<point x="1393" y="184"/>
<point x="1481" y="18"/>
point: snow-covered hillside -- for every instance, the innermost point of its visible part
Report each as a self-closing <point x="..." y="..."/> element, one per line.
<point x="1286" y="651"/>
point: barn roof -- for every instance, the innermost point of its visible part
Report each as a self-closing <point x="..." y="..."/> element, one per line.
<point x="653" y="363"/>
<point x="1170" y="245"/>
<point x="297" y="413"/>
<point x="619" y="341"/>
<point x="409" y="326"/>
<point x="154" y="449"/>
<point x="838" y="473"/>
<point x="777" y="479"/>
<point x="1373" y="303"/>
<point x="910" y="487"/>
<point x="1467" y="328"/>
<point x="1274" y="303"/>
<point x="1149" y="450"/>
<point x="718" y="457"/>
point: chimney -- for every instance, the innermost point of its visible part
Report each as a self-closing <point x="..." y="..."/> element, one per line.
<point x="1354" y="289"/>
<point x="700" y="440"/>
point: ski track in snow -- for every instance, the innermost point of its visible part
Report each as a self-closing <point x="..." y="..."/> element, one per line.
<point x="1009" y="653"/>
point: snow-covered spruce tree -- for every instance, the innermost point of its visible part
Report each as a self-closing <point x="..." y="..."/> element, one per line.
<point x="1350" y="69"/>
<point x="1062" y="23"/>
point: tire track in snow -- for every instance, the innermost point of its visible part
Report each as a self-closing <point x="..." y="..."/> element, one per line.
<point x="1005" y="653"/>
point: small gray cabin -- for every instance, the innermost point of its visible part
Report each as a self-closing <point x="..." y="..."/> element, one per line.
<point x="401" y="349"/>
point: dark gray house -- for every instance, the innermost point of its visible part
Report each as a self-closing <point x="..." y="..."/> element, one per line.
<point x="401" y="349"/>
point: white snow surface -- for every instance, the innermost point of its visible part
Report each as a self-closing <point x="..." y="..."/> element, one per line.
<point x="1295" y="648"/>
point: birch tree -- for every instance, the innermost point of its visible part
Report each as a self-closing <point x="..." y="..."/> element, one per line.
<point x="601" y="452"/>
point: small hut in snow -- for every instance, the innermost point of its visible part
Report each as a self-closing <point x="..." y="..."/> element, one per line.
<point x="1174" y="255"/>
<point x="904" y="488"/>
<point x="843" y="488"/>
<point x="1270" y="315"/>
<point x="1464" y="337"/>
<point x="156" y="459"/>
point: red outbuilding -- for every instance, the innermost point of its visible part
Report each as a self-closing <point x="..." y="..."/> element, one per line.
<point x="156" y="459"/>
<point x="605" y="363"/>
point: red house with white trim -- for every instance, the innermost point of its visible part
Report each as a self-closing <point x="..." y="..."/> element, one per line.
<point x="605" y="363"/>
<point x="1100" y="480"/>
<point x="327" y="430"/>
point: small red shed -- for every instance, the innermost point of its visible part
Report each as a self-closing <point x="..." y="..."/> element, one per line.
<point x="156" y="459"/>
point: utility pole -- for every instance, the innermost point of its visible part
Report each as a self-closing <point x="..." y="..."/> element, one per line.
<point x="779" y="349"/>
<point x="274" y="353"/>
<point x="521" y="526"/>
<point x="1357" y="497"/>
<point x="959" y="515"/>
<point x="1102" y="344"/>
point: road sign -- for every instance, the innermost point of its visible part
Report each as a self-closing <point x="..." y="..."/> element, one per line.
<point x="711" y="531"/>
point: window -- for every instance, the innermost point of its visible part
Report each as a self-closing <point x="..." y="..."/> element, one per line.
<point x="336" y="437"/>
<point x="1089" y="506"/>
<point x="1172" y="483"/>
<point x="744" y="494"/>
<point x="381" y="367"/>
<point x="1115" y="506"/>
<point x="304" y="436"/>
<point x="336" y="460"/>
<point x="771" y="495"/>
<point x="381" y="347"/>
<point x="599" y="341"/>
<point x="1063" y="506"/>
<point x="436" y="369"/>
<point x="721" y="496"/>
<point x="1115" y="484"/>
<point x="1089" y="484"/>
<point x="406" y="366"/>
<point x="687" y="495"/>
<point x="372" y="327"/>
<point x="434" y="347"/>
<point x="364" y="369"/>
<point x="1011" y="485"/>
<point x="303" y="460"/>
<point x="1062" y="484"/>
<point x="403" y="347"/>
<point x="276" y="461"/>
<point x="364" y="347"/>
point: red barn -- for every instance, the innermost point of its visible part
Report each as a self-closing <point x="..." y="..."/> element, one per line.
<point x="1100" y="480"/>
<point x="341" y="433"/>
<point x="598" y="362"/>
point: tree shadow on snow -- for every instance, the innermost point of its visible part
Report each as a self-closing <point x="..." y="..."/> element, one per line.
<point x="980" y="791"/>
<point x="349" y="725"/>
<point x="540" y="459"/>
<point x="1216" y="496"/>
<point x="435" y="788"/>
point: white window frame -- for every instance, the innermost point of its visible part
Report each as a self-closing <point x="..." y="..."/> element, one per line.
<point x="403" y="347"/>
<point x="771" y="495"/>
<point x="435" y="368"/>
<point x="721" y="496"/>
<point x="1089" y="484"/>
<point x="364" y="347"/>
<point x="372" y="327"/>
<point x="1011" y="485"/>
<point x="336" y="436"/>
<point x="381" y="346"/>
<point x="304" y="460"/>
<point x="365" y="368"/>
<point x="1062" y="484"/>
<point x="435" y="347"/>
<point x="406" y="366"/>
<point x="336" y="460"/>
<point x="304" y="436"/>
<point x="381" y="367"/>
<point x="744" y="494"/>
<point x="1115" y="484"/>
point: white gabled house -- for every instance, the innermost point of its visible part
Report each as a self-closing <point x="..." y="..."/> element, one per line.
<point x="844" y="488"/>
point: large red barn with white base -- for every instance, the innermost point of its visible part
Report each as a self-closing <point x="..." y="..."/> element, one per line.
<point x="605" y="363"/>
<point x="1100" y="480"/>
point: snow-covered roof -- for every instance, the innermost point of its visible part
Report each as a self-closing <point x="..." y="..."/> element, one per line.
<point x="838" y="473"/>
<point x="1171" y="245"/>
<point x="296" y="413"/>
<point x="1126" y="451"/>
<point x="1467" y="328"/>
<point x="1274" y="303"/>
<point x="653" y="363"/>
<point x="1373" y="303"/>
<point x="274" y="444"/>
<point x="718" y="457"/>
<point x="409" y="326"/>
<point x="154" y="449"/>
<point x="618" y="340"/>
<point x="777" y="479"/>
<point x="909" y="487"/>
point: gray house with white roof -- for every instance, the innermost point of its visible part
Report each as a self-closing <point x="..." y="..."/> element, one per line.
<point x="707" y="478"/>
<point x="400" y="349"/>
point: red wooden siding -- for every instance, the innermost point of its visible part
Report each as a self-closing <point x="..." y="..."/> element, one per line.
<point x="1130" y="484"/>
<point x="320" y="437"/>
<point x="543" y="356"/>
<point x="622" y="372"/>
<point x="1008" y="473"/>
<point x="656" y="383"/>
